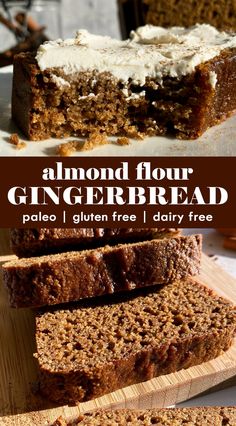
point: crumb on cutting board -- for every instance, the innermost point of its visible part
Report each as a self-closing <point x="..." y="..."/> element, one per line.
<point x="15" y="140"/>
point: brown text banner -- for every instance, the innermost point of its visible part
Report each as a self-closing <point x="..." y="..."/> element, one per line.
<point x="117" y="192"/>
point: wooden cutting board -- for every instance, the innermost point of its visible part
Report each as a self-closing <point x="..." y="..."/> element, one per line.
<point x="19" y="403"/>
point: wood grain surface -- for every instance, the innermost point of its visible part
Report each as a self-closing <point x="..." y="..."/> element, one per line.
<point x="20" y="403"/>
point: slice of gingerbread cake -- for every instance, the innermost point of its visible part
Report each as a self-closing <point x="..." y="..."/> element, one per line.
<point x="86" y="351"/>
<point x="160" y="81"/>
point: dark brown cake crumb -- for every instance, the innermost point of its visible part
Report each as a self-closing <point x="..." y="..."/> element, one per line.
<point x="15" y="140"/>
<point x="123" y="141"/>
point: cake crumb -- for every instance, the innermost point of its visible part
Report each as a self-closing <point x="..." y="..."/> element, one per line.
<point x="132" y="132"/>
<point x="15" y="140"/>
<point x="21" y="145"/>
<point x="67" y="149"/>
<point x="94" y="140"/>
<point x="123" y="141"/>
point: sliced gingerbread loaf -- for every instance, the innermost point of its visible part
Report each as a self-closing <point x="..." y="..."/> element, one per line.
<point x="194" y="416"/>
<point x="92" y="349"/>
<point x="39" y="241"/>
<point x="59" y="278"/>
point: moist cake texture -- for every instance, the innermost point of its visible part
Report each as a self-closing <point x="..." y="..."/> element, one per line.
<point x="178" y="81"/>
<point x="219" y="13"/>
<point x="90" y="350"/>
<point x="39" y="241"/>
<point x="70" y="276"/>
<point x="194" y="416"/>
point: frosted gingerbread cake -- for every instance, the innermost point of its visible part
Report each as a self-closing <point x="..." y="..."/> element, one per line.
<point x="160" y="81"/>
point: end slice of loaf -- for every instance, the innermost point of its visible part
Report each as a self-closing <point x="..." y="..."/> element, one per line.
<point x="195" y="416"/>
<point x="30" y="242"/>
<point x="71" y="276"/>
<point x="88" y="351"/>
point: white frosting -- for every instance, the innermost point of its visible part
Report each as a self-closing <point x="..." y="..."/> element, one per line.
<point x="90" y="95"/>
<point x="59" y="81"/>
<point x="213" y="79"/>
<point x="136" y="95"/>
<point x="150" y="52"/>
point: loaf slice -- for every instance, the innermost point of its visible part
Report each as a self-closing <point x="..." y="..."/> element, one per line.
<point x="71" y="276"/>
<point x="90" y="350"/>
<point x="195" y="416"/>
<point x="173" y="81"/>
<point x="40" y="241"/>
